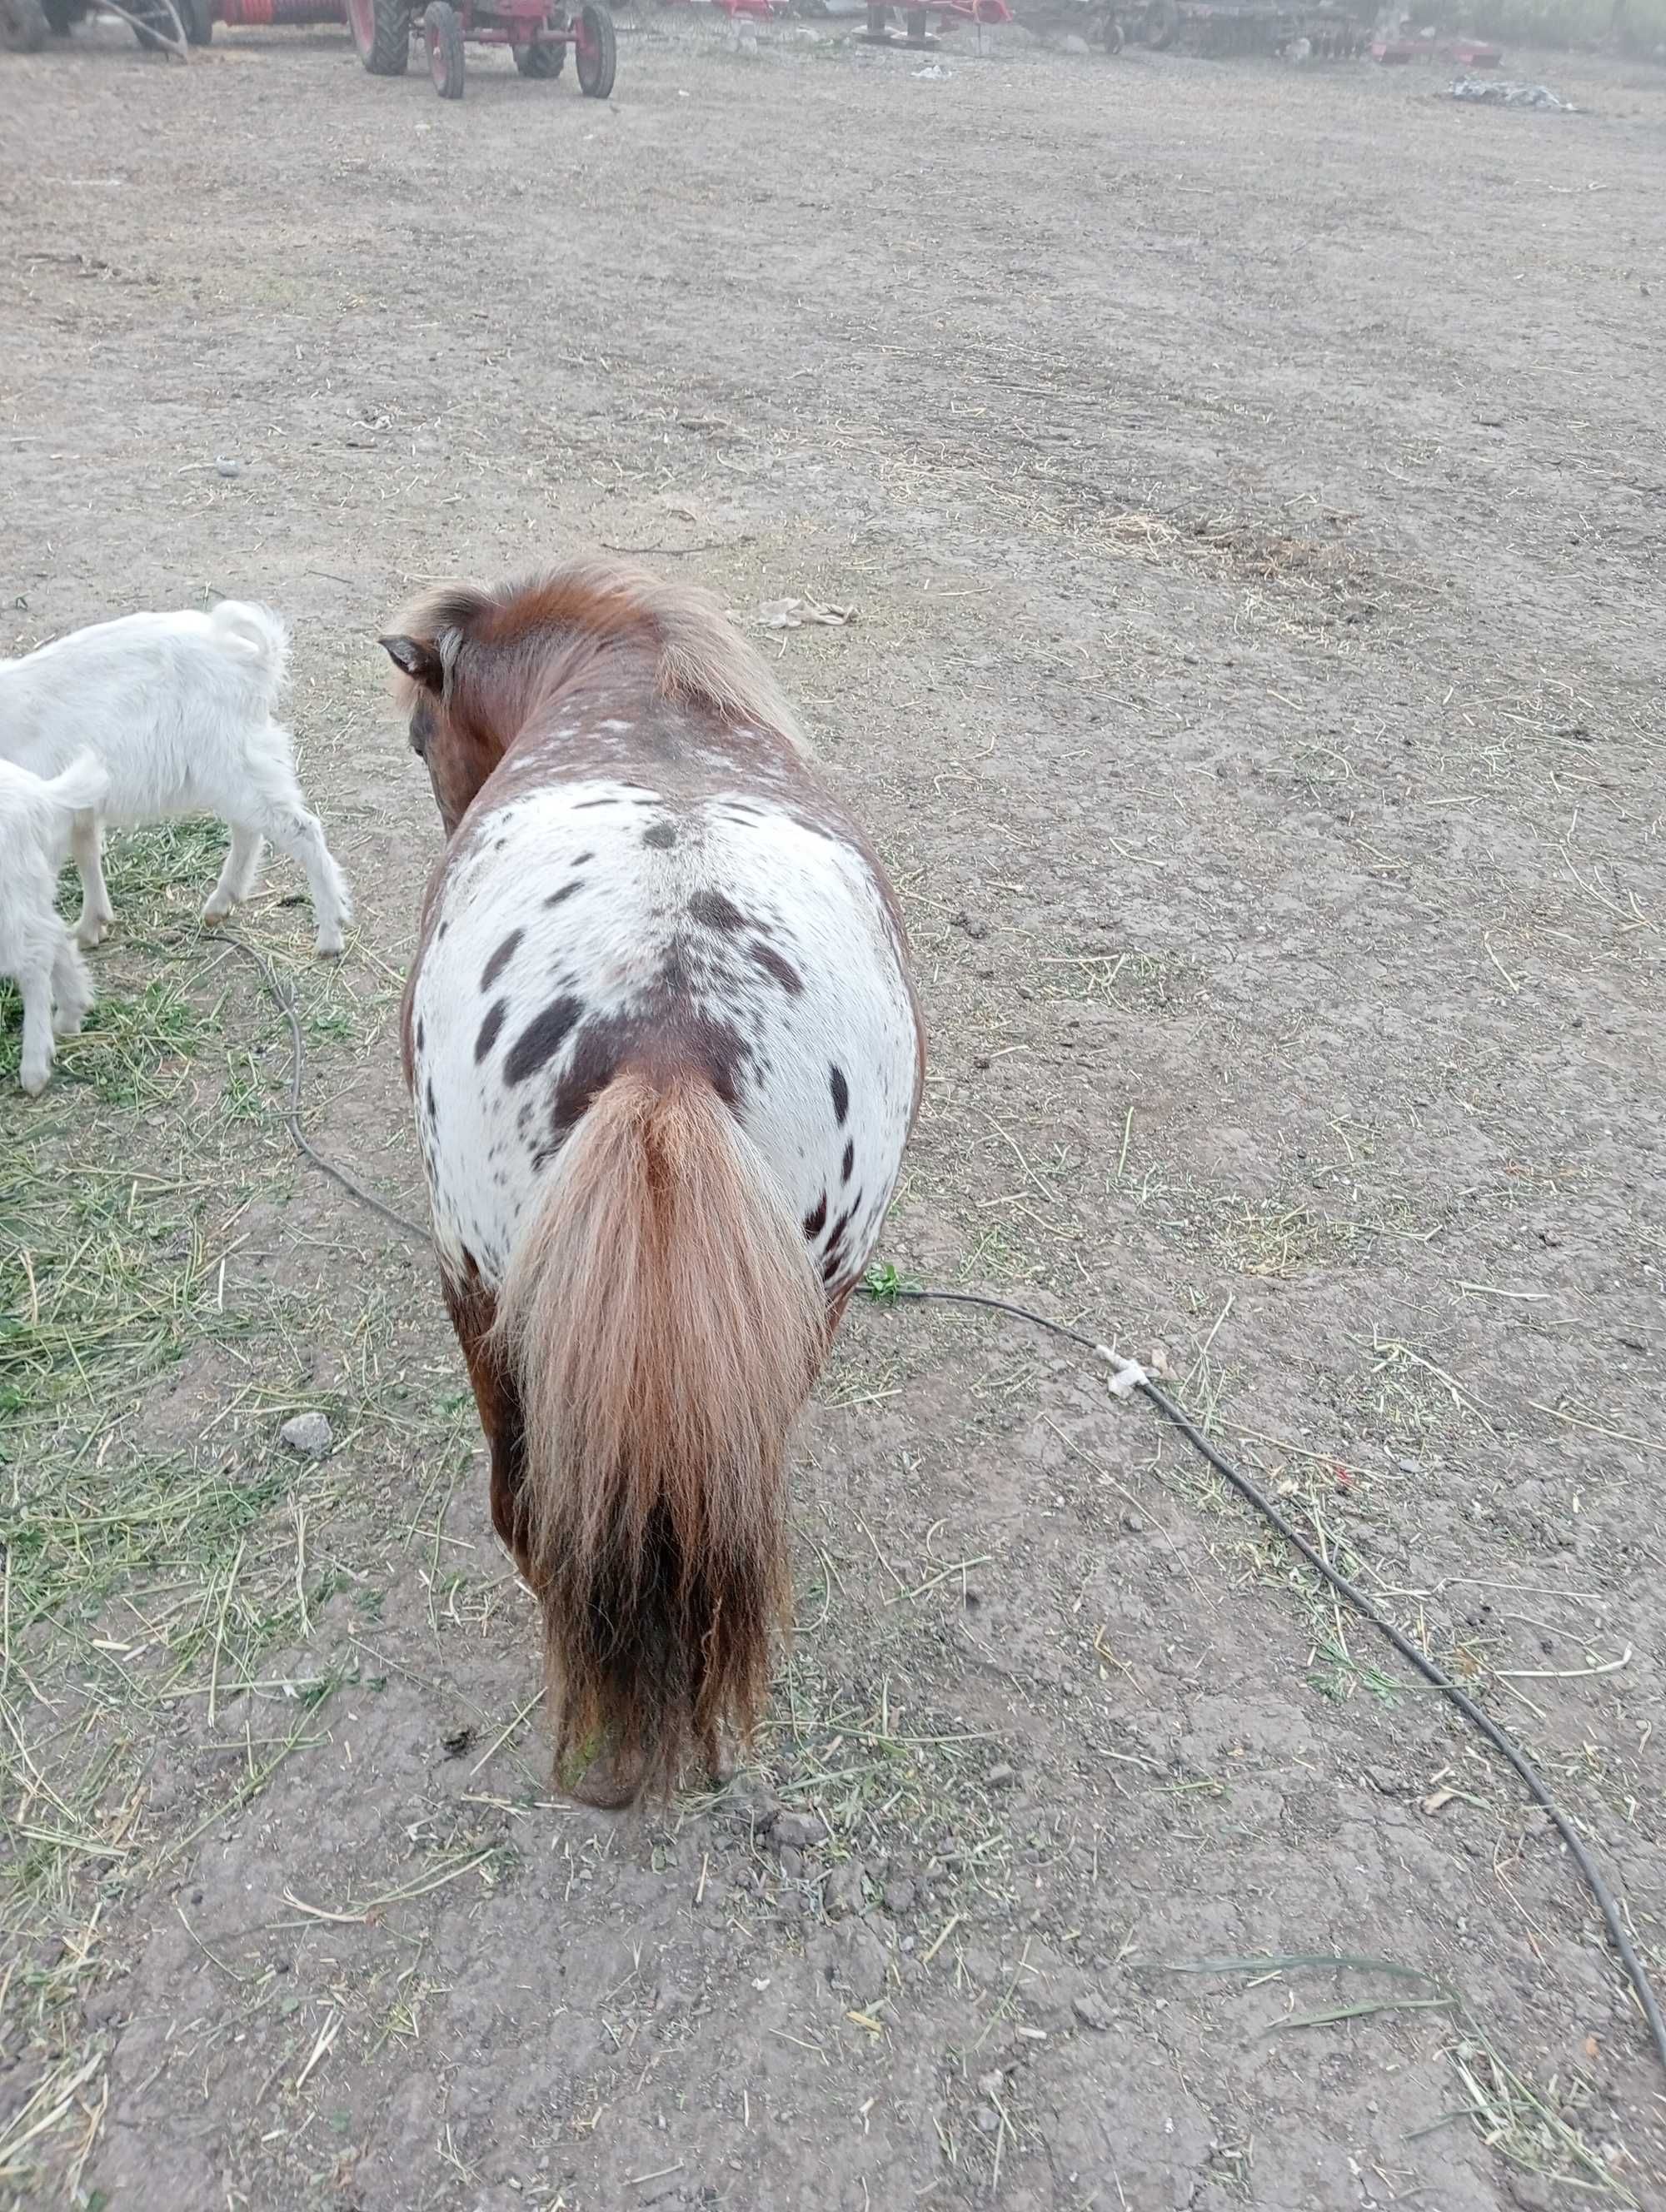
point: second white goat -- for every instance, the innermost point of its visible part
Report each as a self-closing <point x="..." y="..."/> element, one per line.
<point x="177" y="708"/>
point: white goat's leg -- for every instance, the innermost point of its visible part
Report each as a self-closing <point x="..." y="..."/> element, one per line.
<point x="293" y="830"/>
<point x="87" y="845"/>
<point x="237" y="877"/>
<point x="72" y="987"/>
<point x="37" y="1062"/>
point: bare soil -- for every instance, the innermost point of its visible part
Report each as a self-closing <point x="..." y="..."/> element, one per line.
<point x="1251" y="484"/>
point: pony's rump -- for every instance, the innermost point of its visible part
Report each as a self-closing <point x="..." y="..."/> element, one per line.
<point x="663" y="1322"/>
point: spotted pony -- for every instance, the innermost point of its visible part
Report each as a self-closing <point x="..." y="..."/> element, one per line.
<point x="665" y="1055"/>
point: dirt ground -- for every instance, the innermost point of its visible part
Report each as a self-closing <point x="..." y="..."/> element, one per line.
<point x="1251" y="484"/>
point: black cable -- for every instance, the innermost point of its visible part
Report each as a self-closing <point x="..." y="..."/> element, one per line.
<point x="1500" y="1741"/>
<point x="285" y="1002"/>
<point x="1489" y="1729"/>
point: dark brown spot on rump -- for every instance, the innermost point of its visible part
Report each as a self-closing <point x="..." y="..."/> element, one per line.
<point x="841" y="1091"/>
<point x="565" y="892"/>
<point x="489" y="1029"/>
<point x="499" y="959"/>
<point x="783" y="970"/>
<point x="850" y="1160"/>
<point x="713" y="911"/>
<point x="662" y="836"/>
<point x="543" y="1039"/>
<point x="816" y="1221"/>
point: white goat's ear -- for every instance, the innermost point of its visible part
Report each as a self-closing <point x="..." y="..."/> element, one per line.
<point x="421" y="662"/>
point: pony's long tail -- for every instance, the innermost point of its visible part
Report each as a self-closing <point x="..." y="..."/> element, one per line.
<point x="663" y="1323"/>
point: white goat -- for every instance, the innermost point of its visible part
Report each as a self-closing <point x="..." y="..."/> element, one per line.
<point x="36" y="820"/>
<point x="178" y="710"/>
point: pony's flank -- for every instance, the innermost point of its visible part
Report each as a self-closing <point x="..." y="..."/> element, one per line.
<point x="702" y="660"/>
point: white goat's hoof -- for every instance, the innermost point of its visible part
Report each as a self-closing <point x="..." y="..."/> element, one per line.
<point x="330" y="947"/>
<point x="217" y="910"/>
<point x="89" y="935"/>
<point x="67" y="1022"/>
<point x="35" y="1080"/>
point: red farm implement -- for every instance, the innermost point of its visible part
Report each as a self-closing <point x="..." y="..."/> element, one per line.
<point x="919" y="17"/>
<point x="538" y="33"/>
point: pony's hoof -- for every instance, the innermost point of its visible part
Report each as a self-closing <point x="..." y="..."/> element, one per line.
<point x="605" y="1778"/>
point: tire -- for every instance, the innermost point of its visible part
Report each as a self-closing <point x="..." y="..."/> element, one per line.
<point x="157" y="41"/>
<point x="442" y="33"/>
<point x="197" y="17"/>
<point x="1111" y="39"/>
<point x="878" y="22"/>
<point x="1162" y="24"/>
<point x="541" y="59"/>
<point x="381" y="35"/>
<point x="61" y="15"/>
<point x="914" y="24"/>
<point x="595" y="50"/>
<point x="24" y="28"/>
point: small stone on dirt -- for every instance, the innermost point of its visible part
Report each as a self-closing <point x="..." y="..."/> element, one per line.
<point x="309" y="1434"/>
<point x="1001" y="1778"/>
<point x="843" y="1892"/>
<point x="1092" y="2011"/>
<point x="988" y="2118"/>
<point x="899" y="1899"/>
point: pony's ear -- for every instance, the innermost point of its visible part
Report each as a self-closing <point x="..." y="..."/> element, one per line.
<point x="417" y="661"/>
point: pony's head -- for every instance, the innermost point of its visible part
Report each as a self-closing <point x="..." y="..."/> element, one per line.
<point x="476" y="666"/>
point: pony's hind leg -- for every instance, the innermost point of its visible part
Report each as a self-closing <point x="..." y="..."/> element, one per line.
<point x="238" y="875"/>
<point x="87" y="847"/>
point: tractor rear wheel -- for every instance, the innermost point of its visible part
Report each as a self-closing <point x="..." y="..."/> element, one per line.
<point x="442" y="32"/>
<point x="196" y="20"/>
<point x="24" y="28"/>
<point x="381" y="35"/>
<point x="542" y="59"/>
<point x="597" y="50"/>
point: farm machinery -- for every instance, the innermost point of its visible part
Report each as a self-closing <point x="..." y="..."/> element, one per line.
<point x="154" y="23"/>
<point x="1330" y="32"/>
<point x="538" y="33"/>
<point x="919" y="16"/>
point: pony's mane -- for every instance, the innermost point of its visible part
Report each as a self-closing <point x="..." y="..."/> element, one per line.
<point x="703" y="660"/>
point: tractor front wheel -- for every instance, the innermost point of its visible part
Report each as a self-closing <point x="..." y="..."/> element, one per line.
<point x="24" y="28"/>
<point x="442" y="29"/>
<point x="381" y="35"/>
<point x="595" y="50"/>
<point x="541" y="59"/>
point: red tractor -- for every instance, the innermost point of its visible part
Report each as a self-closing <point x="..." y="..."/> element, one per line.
<point x="538" y="33"/>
